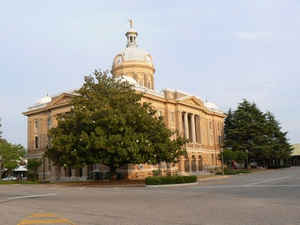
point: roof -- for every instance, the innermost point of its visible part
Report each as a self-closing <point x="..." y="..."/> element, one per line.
<point x="296" y="150"/>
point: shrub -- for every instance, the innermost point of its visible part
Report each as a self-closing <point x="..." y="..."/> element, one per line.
<point x="33" y="176"/>
<point x="156" y="172"/>
<point x="108" y="176"/>
<point x="170" y="180"/>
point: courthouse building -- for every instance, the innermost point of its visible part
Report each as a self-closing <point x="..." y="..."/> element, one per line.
<point x="200" y="122"/>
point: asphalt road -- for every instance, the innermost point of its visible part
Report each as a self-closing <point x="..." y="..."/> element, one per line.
<point x="263" y="198"/>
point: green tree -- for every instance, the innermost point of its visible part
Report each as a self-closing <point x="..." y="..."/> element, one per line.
<point x="33" y="166"/>
<point x="228" y="156"/>
<point x="246" y="133"/>
<point x="108" y="124"/>
<point x="278" y="145"/>
<point x="238" y="156"/>
<point x="11" y="155"/>
<point x="258" y="135"/>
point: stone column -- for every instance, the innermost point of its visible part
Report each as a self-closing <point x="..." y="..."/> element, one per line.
<point x="73" y="175"/>
<point x="199" y="129"/>
<point x="181" y="164"/>
<point x="62" y="172"/>
<point x="85" y="171"/>
<point x="186" y="125"/>
<point x="193" y="128"/>
<point x="190" y="165"/>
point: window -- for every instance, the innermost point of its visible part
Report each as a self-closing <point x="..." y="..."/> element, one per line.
<point x="36" y="125"/>
<point x="49" y="123"/>
<point x="172" y="116"/>
<point x="36" y="142"/>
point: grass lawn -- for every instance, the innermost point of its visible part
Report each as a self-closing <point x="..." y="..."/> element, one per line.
<point x="17" y="182"/>
<point x="228" y="171"/>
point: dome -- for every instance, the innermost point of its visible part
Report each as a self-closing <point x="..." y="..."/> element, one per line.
<point x="134" y="62"/>
<point x="136" y="53"/>
<point x="44" y="100"/>
<point x="133" y="54"/>
<point x="211" y="105"/>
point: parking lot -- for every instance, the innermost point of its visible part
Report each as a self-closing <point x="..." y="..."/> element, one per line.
<point x="263" y="198"/>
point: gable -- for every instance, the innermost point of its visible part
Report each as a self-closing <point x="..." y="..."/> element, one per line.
<point x="192" y="101"/>
<point x="61" y="99"/>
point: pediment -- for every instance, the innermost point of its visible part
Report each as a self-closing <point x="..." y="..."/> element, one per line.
<point x="191" y="100"/>
<point x="64" y="98"/>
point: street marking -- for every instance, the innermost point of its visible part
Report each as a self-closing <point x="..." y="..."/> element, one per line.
<point x="53" y="221"/>
<point x="44" y="218"/>
<point x="32" y="196"/>
<point x="268" y="180"/>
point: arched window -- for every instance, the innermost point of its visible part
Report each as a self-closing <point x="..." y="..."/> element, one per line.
<point x="200" y="163"/>
<point x="186" y="165"/>
<point x="194" y="167"/>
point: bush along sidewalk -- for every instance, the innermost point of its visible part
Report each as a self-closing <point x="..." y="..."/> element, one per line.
<point x="156" y="180"/>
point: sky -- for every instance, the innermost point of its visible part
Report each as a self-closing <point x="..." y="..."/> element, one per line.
<point x="221" y="51"/>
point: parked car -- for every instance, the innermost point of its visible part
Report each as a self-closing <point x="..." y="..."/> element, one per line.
<point x="253" y="164"/>
<point x="9" y="178"/>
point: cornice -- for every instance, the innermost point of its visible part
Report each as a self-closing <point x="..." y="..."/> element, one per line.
<point x="130" y="64"/>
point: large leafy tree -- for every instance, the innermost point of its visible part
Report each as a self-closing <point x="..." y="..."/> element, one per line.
<point x="108" y="124"/>
<point x="11" y="155"/>
<point x="249" y="130"/>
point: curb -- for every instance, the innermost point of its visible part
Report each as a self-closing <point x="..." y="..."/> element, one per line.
<point x="172" y="185"/>
<point x="213" y="178"/>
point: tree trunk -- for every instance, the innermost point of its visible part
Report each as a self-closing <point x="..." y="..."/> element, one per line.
<point x="113" y="171"/>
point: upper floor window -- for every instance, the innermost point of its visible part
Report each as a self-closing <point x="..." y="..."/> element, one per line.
<point x="49" y="123"/>
<point x="36" y="142"/>
<point x="172" y="116"/>
<point x="36" y="125"/>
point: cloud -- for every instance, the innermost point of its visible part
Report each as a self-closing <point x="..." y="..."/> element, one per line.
<point x="252" y="36"/>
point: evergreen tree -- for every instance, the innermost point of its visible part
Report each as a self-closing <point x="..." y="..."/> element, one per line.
<point x="258" y="134"/>
<point x="278" y="145"/>
<point x="108" y="124"/>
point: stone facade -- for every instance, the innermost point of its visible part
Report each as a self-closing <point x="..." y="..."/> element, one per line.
<point x="201" y="123"/>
